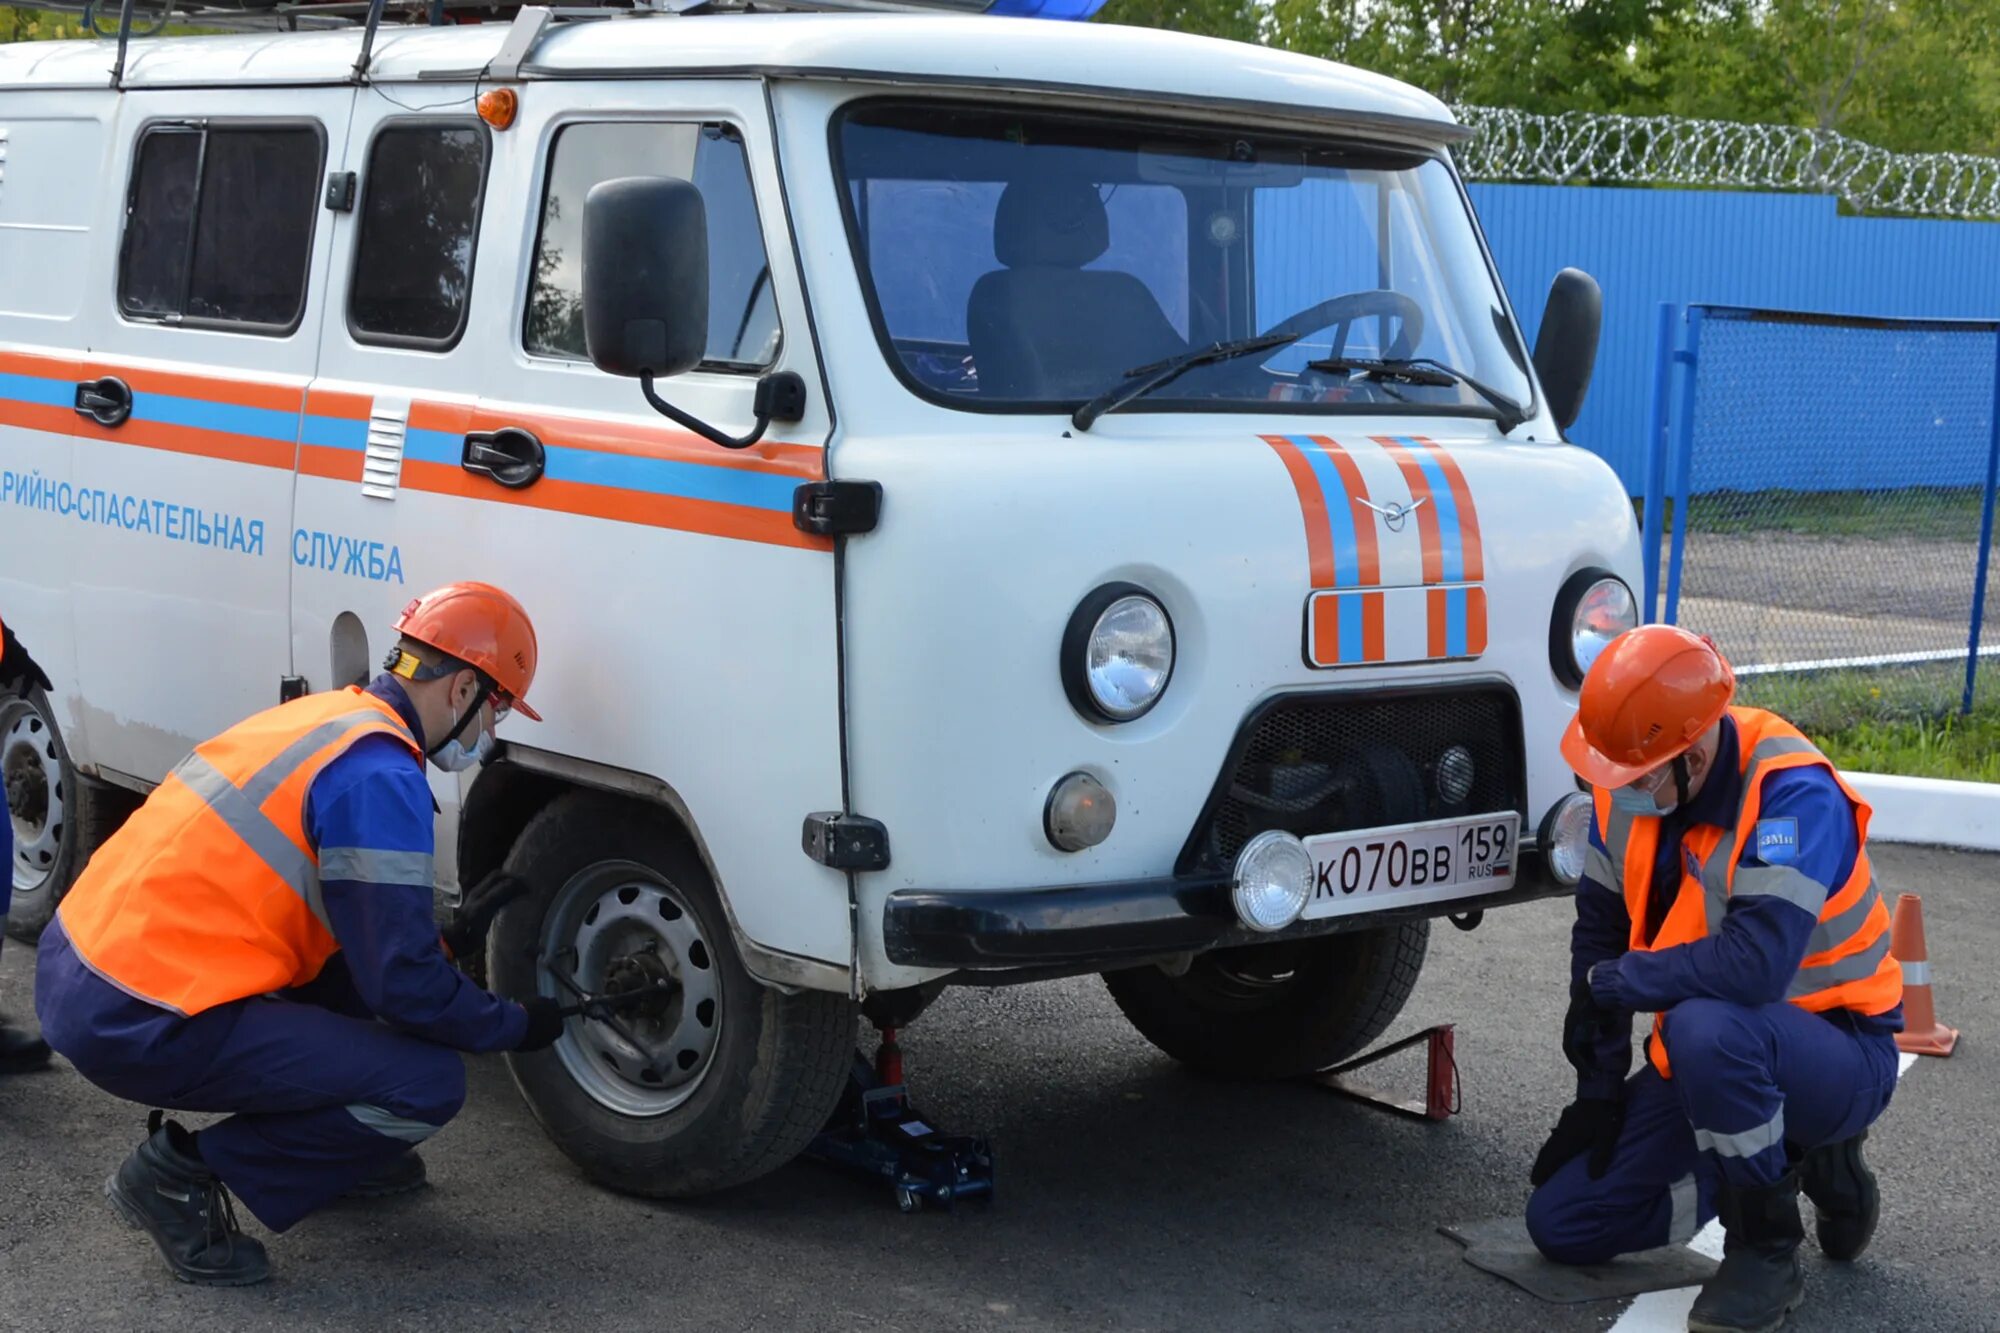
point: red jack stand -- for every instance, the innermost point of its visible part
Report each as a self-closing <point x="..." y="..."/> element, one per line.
<point x="1441" y="1088"/>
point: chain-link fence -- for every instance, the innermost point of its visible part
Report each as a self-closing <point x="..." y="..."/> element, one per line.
<point x="1820" y="501"/>
<point x="1594" y="148"/>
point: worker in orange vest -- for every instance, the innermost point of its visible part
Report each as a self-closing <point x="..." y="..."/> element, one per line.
<point x="1727" y="892"/>
<point x="258" y="940"/>
<point x="19" y="1052"/>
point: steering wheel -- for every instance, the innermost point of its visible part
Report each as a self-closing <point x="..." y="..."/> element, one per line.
<point x="1341" y="311"/>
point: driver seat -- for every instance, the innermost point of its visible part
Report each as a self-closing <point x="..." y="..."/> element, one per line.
<point x="1043" y="327"/>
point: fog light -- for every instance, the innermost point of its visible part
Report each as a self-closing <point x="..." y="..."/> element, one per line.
<point x="1079" y="814"/>
<point x="1566" y="837"/>
<point x="1454" y="775"/>
<point x="1274" y="874"/>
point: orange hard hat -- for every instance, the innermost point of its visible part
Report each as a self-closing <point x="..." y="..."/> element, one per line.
<point x="484" y="628"/>
<point x="1649" y="697"/>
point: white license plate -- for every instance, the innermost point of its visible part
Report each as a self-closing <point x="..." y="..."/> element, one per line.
<point x="1374" y="869"/>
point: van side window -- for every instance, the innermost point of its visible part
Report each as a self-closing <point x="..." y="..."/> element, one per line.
<point x="219" y="225"/>
<point x="419" y="221"/>
<point x="743" y="329"/>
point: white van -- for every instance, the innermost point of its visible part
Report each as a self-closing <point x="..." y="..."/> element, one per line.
<point x="1101" y="516"/>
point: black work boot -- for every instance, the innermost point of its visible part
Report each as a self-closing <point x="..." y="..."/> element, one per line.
<point x="20" y="1053"/>
<point x="1760" y="1281"/>
<point x="1844" y="1194"/>
<point x="399" y="1175"/>
<point x="167" y="1191"/>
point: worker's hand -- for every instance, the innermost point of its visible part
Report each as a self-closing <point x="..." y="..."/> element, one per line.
<point x="1585" y="1026"/>
<point x="17" y="669"/>
<point x="465" y="933"/>
<point x="1589" y="1124"/>
<point x="545" y="1024"/>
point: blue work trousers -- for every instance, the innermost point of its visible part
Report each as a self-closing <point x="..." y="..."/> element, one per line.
<point x="319" y="1094"/>
<point x="1753" y="1089"/>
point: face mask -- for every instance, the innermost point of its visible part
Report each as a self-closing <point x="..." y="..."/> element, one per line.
<point x="1632" y="801"/>
<point x="1645" y="804"/>
<point x="455" y="756"/>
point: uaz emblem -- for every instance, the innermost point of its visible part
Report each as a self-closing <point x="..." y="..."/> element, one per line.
<point x="1394" y="514"/>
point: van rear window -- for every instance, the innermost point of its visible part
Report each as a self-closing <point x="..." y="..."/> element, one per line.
<point x="219" y="225"/>
<point x="419" y="221"/>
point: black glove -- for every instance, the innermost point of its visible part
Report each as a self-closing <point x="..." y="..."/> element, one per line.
<point x="545" y="1024"/>
<point x="1585" y="1025"/>
<point x="1589" y="1125"/>
<point x="465" y="932"/>
<point x="17" y="669"/>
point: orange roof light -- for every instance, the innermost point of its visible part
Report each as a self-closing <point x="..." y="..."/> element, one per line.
<point x="498" y="107"/>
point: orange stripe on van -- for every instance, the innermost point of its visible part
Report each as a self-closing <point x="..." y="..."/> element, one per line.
<point x="336" y="403"/>
<point x="1468" y="516"/>
<point x="194" y="442"/>
<point x="1312" y="507"/>
<point x="36" y="416"/>
<point x="212" y="389"/>
<point x="660" y="511"/>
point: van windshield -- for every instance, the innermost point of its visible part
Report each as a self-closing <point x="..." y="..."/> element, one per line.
<point x="1021" y="261"/>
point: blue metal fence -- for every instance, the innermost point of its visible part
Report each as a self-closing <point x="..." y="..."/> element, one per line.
<point x="1771" y="251"/>
<point x="1822" y="490"/>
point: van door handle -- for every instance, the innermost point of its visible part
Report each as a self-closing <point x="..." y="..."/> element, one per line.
<point x="108" y="401"/>
<point x="511" y="456"/>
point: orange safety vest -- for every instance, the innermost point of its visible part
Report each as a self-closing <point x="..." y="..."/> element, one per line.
<point x="1847" y="963"/>
<point x="210" y="892"/>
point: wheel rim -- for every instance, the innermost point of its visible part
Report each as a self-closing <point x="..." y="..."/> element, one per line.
<point x="615" y="927"/>
<point x="1244" y="980"/>
<point x="36" y="795"/>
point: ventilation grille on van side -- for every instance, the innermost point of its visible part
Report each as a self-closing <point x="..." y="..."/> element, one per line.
<point x="382" y="467"/>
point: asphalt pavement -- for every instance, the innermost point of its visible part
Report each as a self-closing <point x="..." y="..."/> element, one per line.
<point x="1131" y="1194"/>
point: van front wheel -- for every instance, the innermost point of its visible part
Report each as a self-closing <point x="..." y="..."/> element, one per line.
<point x="712" y="1079"/>
<point x="1279" y="1010"/>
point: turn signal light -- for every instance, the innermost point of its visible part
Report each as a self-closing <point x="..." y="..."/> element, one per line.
<point x="498" y="107"/>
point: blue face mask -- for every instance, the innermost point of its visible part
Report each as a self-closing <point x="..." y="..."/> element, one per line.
<point x="1639" y="804"/>
<point x="454" y="757"/>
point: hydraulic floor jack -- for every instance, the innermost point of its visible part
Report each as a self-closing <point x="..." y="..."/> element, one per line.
<point x="876" y="1132"/>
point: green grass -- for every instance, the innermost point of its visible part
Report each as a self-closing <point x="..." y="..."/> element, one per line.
<point x="1926" y="513"/>
<point x="1902" y="720"/>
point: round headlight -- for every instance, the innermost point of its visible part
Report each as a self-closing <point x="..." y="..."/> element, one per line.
<point x="1079" y="814"/>
<point x="1274" y="875"/>
<point x="1593" y="608"/>
<point x="1566" y="837"/>
<point x="1118" y="653"/>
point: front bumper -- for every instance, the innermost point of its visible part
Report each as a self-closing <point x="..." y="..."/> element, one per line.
<point x="1124" y="923"/>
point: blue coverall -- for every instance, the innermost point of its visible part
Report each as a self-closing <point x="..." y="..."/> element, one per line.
<point x="332" y="1080"/>
<point x="1757" y="1081"/>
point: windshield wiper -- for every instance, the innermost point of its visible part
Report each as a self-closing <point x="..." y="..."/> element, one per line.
<point x="1142" y="380"/>
<point x="1425" y="370"/>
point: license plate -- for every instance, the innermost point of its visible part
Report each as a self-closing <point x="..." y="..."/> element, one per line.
<point x="1373" y="869"/>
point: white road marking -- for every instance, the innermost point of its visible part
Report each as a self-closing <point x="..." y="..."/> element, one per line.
<point x="1667" y="1311"/>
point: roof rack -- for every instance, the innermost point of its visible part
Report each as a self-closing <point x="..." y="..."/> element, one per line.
<point x="147" y="18"/>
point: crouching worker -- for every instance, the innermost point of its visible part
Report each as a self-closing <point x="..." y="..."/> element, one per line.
<point x="258" y="940"/>
<point x="1728" y="893"/>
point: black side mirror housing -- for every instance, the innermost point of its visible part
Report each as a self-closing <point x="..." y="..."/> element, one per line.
<point x="1566" y="345"/>
<point x="645" y="276"/>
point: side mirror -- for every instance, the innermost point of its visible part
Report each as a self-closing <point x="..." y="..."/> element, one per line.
<point x="645" y="276"/>
<point x="1566" y="345"/>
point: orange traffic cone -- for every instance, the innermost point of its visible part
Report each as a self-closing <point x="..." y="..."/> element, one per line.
<point x="1922" y="1034"/>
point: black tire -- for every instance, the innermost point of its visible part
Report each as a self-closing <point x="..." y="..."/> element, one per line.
<point x="66" y="815"/>
<point x="1276" y="1010"/>
<point x="778" y="1063"/>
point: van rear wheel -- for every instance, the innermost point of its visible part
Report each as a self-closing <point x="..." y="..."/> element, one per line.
<point x="1280" y="1010"/>
<point x="713" y="1079"/>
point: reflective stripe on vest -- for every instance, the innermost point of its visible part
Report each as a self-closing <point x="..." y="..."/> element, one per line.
<point x="211" y="891"/>
<point x="1846" y="963"/>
